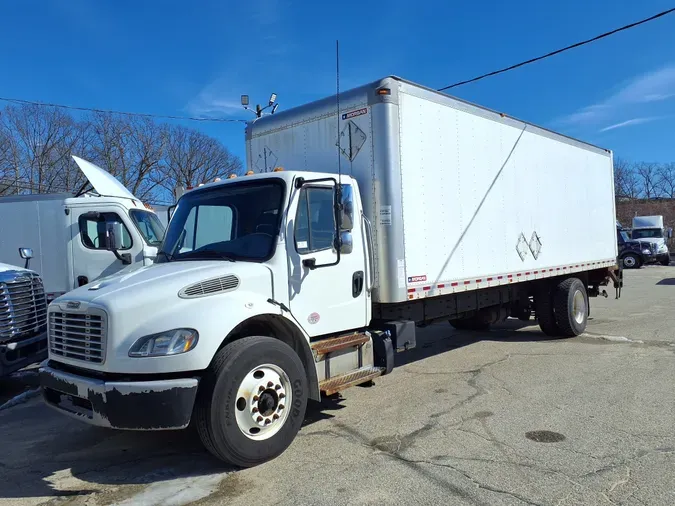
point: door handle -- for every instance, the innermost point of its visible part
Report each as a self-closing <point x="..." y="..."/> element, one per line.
<point x="357" y="283"/>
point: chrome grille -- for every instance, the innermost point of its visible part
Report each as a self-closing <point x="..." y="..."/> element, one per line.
<point x="23" y="306"/>
<point x="78" y="336"/>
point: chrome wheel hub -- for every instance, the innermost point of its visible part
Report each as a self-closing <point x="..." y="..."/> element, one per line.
<point x="579" y="307"/>
<point x="262" y="399"/>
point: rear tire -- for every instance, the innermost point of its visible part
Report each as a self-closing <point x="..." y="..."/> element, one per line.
<point x="571" y="307"/>
<point x="251" y="401"/>
<point x="544" y="310"/>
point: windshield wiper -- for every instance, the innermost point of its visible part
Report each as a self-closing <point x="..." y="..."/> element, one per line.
<point x="206" y="253"/>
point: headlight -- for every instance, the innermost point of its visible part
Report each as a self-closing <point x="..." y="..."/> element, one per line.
<point x="646" y="251"/>
<point x="663" y="248"/>
<point x="171" y="342"/>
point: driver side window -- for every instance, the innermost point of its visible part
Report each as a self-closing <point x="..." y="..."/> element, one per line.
<point x="93" y="231"/>
<point x="314" y="220"/>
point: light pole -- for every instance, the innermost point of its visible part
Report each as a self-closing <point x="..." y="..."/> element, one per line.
<point x="259" y="110"/>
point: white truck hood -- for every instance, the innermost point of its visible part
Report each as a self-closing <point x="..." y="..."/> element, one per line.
<point x="158" y="280"/>
<point x="7" y="267"/>
<point x="103" y="182"/>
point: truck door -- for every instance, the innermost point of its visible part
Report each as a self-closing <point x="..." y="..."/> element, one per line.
<point x="330" y="299"/>
<point x="90" y="257"/>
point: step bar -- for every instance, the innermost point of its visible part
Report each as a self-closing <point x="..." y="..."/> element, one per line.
<point x="336" y="384"/>
<point x="326" y="346"/>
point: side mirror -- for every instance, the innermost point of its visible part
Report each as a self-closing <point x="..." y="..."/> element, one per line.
<point x="114" y="232"/>
<point x="347" y="205"/>
<point x="346" y="242"/>
<point x="26" y="254"/>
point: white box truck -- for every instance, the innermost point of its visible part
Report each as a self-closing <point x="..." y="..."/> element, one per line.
<point x="69" y="234"/>
<point x="276" y="288"/>
<point x="650" y="229"/>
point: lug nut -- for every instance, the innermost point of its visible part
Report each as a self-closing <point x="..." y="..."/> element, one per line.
<point x="254" y="410"/>
<point x="255" y="398"/>
<point x="261" y="388"/>
<point x="270" y="384"/>
<point x="275" y="416"/>
<point x="277" y="387"/>
<point x="281" y="406"/>
<point x="281" y="396"/>
<point x="259" y="419"/>
<point x="268" y="421"/>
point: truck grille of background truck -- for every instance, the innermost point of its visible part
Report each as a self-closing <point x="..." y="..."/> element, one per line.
<point x="23" y="308"/>
<point x="78" y="336"/>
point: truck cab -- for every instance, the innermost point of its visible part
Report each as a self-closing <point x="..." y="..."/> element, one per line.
<point x="650" y="229"/>
<point x="242" y="261"/>
<point x="70" y="235"/>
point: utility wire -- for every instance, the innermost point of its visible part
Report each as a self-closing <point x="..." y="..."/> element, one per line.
<point x="139" y="114"/>
<point x="558" y="51"/>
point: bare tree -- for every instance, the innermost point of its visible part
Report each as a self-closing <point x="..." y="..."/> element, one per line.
<point x="129" y="148"/>
<point x="666" y="179"/>
<point x="647" y="174"/>
<point x="626" y="183"/>
<point x="192" y="157"/>
<point x="41" y="143"/>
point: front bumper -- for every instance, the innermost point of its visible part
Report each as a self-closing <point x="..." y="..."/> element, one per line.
<point x="128" y="405"/>
<point x="19" y="354"/>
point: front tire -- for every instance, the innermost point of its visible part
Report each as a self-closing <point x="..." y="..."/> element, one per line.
<point x="665" y="261"/>
<point x="631" y="261"/>
<point x="252" y="401"/>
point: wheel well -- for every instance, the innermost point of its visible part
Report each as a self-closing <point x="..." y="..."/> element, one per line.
<point x="280" y="328"/>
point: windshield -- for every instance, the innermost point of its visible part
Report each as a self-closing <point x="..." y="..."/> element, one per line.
<point x="648" y="233"/>
<point x="624" y="236"/>
<point x="149" y="226"/>
<point x="237" y="221"/>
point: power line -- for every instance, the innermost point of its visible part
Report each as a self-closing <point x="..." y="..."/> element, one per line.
<point x="558" y="51"/>
<point x="138" y="114"/>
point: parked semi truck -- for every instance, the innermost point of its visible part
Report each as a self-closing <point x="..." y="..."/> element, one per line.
<point x="23" y="316"/>
<point x="69" y="234"/>
<point x="633" y="254"/>
<point x="276" y="288"/>
<point x="650" y="229"/>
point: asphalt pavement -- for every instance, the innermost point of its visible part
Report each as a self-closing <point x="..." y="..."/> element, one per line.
<point x="504" y="417"/>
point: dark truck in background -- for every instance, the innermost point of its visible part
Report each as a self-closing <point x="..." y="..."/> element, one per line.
<point x="633" y="253"/>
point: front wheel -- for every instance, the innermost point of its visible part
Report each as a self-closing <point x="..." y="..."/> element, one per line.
<point x="252" y="401"/>
<point x="631" y="261"/>
<point x="665" y="261"/>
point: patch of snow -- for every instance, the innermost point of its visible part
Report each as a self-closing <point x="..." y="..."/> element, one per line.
<point x="177" y="492"/>
<point x="616" y="339"/>
<point x="23" y="397"/>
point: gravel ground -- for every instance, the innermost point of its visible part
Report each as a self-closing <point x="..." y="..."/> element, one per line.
<point x="499" y="418"/>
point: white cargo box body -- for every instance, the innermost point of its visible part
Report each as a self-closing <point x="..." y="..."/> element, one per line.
<point x="460" y="197"/>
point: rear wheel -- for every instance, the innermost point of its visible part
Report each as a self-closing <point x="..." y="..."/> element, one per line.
<point x="571" y="307"/>
<point x="544" y="310"/>
<point x="252" y="401"/>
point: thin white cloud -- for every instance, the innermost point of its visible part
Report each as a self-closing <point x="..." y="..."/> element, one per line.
<point x="655" y="86"/>
<point x="630" y="122"/>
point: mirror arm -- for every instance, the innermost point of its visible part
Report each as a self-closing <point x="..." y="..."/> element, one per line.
<point x="125" y="258"/>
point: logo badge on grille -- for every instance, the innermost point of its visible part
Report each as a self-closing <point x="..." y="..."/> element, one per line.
<point x="73" y="304"/>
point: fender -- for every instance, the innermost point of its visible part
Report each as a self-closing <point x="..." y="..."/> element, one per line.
<point x="281" y="327"/>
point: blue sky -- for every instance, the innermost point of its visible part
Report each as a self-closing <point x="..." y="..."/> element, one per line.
<point x="197" y="58"/>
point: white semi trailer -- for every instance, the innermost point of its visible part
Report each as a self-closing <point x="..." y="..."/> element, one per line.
<point x="276" y="288"/>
